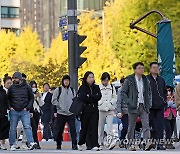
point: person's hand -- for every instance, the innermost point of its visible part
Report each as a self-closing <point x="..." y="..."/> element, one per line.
<point x="119" y="115"/>
<point x="31" y="115"/>
<point x="11" y="109"/>
<point x="25" y="109"/>
<point x="55" y="115"/>
<point x="170" y="104"/>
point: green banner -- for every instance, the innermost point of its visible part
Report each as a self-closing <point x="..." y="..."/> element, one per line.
<point x="165" y="51"/>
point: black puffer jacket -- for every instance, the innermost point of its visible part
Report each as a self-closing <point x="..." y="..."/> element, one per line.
<point x="90" y="95"/>
<point x="159" y="92"/>
<point x="20" y="96"/>
<point x="3" y="102"/>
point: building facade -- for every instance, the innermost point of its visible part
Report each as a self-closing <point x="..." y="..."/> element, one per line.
<point x="43" y="15"/>
<point x="9" y="18"/>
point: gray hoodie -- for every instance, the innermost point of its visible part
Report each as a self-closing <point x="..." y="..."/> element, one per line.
<point x="65" y="100"/>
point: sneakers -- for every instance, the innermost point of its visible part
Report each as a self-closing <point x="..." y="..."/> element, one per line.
<point x="132" y="148"/>
<point x="3" y="147"/>
<point x="32" y="145"/>
<point x="12" y="147"/>
<point x="80" y="147"/>
<point x="101" y="147"/>
<point x="170" y="146"/>
<point x="148" y="147"/>
<point x="95" y="149"/>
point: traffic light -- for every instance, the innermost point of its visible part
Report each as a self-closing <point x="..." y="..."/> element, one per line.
<point x="79" y="50"/>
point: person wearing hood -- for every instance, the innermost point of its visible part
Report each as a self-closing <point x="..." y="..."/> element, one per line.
<point x="21" y="100"/>
<point x="62" y="100"/>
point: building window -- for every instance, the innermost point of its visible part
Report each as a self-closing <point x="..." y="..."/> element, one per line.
<point x="9" y="12"/>
<point x="15" y="30"/>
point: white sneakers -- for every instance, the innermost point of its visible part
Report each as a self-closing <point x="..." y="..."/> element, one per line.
<point x="80" y="147"/>
<point x="95" y="149"/>
<point x="12" y="147"/>
<point x="3" y="147"/>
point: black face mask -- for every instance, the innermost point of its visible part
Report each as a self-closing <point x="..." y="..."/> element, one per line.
<point x="16" y="82"/>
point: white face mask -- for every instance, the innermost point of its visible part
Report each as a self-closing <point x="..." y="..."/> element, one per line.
<point x="34" y="89"/>
<point x="169" y="93"/>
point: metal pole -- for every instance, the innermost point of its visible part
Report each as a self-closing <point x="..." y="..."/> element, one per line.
<point x="72" y="30"/>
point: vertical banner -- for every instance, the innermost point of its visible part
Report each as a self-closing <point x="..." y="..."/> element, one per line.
<point x="165" y="51"/>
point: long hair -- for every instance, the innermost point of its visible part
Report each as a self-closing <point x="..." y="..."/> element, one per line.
<point x="86" y="76"/>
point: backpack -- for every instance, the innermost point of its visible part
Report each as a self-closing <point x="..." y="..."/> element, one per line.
<point x="60" y="90"/>
<point x="112" y="89"/>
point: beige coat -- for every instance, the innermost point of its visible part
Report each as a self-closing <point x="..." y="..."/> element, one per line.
<point x="177" y="97"/>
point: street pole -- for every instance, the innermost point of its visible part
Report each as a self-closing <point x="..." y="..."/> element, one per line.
<point x="72" y="30"/>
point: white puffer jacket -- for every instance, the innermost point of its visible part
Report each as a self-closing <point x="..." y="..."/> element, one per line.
<point x="109" y="98"/>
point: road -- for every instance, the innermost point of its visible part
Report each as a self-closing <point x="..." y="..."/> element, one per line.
<point x="50" y="147"/>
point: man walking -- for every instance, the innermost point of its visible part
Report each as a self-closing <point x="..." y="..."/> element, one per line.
<point x="159" y="93"/>
<point x="62" y="99"/>
<point x="122" y="111"/>
<point x="136" y="93"/>
<point x="20" y="98"/>
<point x="46" y="117"/>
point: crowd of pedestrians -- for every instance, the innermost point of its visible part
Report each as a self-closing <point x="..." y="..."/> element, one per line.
<point x="141" y="101"/>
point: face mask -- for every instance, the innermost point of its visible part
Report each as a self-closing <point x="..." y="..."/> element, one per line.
<point x="16" y="82"/>
<point x="169" y="93"/>
<point x="34" y="90"/>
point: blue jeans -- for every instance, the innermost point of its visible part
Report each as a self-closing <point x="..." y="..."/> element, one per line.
<point x="24" y="116"/>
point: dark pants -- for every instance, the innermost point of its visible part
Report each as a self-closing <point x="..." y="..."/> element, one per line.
<point x="61" y="121"/>
<point x="4" y="128"/>
<point x="54" y="127"/>
<point x="156" y="122"/>
<point x="47" y="131"/>
<point x="169" y="127"/>
<point x="89" y="120"/>
<point x="34" y="125"/>
<point x="124" y="120"/>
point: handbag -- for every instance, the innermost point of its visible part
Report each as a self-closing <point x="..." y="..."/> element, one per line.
<point x="77" y="106"/>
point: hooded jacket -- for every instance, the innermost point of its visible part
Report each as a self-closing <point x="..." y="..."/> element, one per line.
<point x="20" y="96"/>
<point x="65" y="100"/>
<point x="3" y="102"/>
<point x="109" y="98"/>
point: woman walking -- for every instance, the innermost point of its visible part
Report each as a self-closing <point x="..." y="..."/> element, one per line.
<point x="170" y="117"/>
<point x="4" y="123"/>
<point x="36" y="112"/>
<point x="107" y="106"/>
<point x="90" y="94"/>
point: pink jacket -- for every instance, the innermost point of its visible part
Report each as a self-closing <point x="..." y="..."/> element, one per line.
<point x="167" y="111"/>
